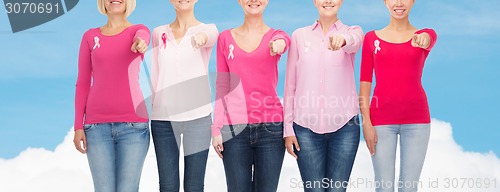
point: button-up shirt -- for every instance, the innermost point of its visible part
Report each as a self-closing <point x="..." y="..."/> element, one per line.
<point x="320" y="90"/>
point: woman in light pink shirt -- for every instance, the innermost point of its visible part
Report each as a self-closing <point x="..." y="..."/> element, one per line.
<point x="181" y="97"/>
<point x="111" y="120"/>
<point x="248" y="114"/>
<point x="321" y="104"/>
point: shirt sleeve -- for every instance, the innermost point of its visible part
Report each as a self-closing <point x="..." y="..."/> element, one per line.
<point x="83" y="82"/>
<point x="353" y="39"/>
<point x="143" y="33"/>
<point x="279" y="34"/>
<point x="290" y="85"/>
<point x="367" y="59"/>
<point x="222" y="87"/>
<point x="432" y="34"/>
<point x="154" y="65"/>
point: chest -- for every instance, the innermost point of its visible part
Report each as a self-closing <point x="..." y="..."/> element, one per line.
<point x="313" y="51"/>
<point x="248" y="42"/>
<point x="109" y="51"/>
<point x="257" y="61"/>
<point x="173" y="49"/>
<point x="396" y="37"/>
<point x="178" y="35"/>
<point x="400" y="57"/>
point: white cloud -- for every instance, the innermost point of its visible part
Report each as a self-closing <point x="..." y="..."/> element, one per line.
<point x="62" y="170"/>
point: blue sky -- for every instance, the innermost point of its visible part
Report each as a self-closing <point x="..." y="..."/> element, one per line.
<point x="38" y="66"/>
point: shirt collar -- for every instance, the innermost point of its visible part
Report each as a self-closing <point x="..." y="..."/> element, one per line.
<point x="336" y="25"/>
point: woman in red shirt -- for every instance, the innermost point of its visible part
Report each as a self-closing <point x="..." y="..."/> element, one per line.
<point x="396" y="54"/>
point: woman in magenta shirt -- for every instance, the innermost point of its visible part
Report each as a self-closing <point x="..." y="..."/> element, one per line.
<point x="396" y="54"/>
<point x="321" y="103"/>
<point x="111" y="120"/>
<point x="248" y="114"/>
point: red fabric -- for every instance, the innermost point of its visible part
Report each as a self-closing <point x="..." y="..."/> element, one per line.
<point x="399" y="97"/>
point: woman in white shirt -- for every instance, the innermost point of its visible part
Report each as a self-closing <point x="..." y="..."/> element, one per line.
<point x="181" y="97"/>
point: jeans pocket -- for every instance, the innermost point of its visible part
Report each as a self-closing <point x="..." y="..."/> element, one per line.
<point x="138" y="125"/>
<point x="228" y="132"/>
<point x="355" y="120"/>
<point x="88" y="127"/>
<point x="274" y="128"/>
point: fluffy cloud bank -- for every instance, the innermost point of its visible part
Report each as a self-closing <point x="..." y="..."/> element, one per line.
<point x="448" y="168"/>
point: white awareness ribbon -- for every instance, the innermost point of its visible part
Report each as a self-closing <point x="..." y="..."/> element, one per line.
<point x="307" y="44"/>
<point x="96" y="41"/>
<point x="231" y="54"/>
<point x="377" y="46"/>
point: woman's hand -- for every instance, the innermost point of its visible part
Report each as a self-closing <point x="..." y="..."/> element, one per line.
<point x="139" y="45"/>
<point x="80" y="139"/>
<point x="422" y="40"/>
<point x="370" y="137"/>
<point x="217" y="144"/>
<point x="199" y="40"/>
<point x="290" y="142"/>
<point x="277" y="47"/>
<point x="336" y="42"/>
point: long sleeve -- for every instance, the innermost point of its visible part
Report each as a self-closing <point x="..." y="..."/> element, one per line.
<point x="279" y="34"/>
<point x="154" y="66"/>
<point x="353" y="38"/>
<point x="290" y="85"/>
<point x="212" y="33"/>
<point x="222" y="88"/>
<point x="143" y="33"/>
<point x="367" y="60"/>
<point x="83" y="82"/>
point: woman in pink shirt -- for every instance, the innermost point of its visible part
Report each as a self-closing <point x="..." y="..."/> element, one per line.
<point x="181" y="97"/>
<point x="321" y="103"/>
<point x="111" y="120"/>
<point x="399" y="107"/>
<point x="248" y="114"/>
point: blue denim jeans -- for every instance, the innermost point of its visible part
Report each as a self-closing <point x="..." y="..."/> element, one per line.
<point x="258" y="147"/>
<point x="414" y="139"/>
<point x="196" y="142"/>
<point x="116" y="154"/>
<point x="325" y="160"/>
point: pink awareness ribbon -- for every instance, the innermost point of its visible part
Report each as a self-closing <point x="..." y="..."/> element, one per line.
<point x="164" y="38"/>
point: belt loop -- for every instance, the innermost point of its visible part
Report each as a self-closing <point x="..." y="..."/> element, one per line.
<point x="232" y="131"/>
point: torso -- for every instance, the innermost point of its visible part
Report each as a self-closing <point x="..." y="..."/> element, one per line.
<point x="398" y="66"/>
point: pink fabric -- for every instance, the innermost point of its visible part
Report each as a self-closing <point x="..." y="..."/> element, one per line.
<point x="246" y="82"/>
<point x="320" y="90"/>
<point x="399" y="97"/>
<point x="107" y="88"/>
